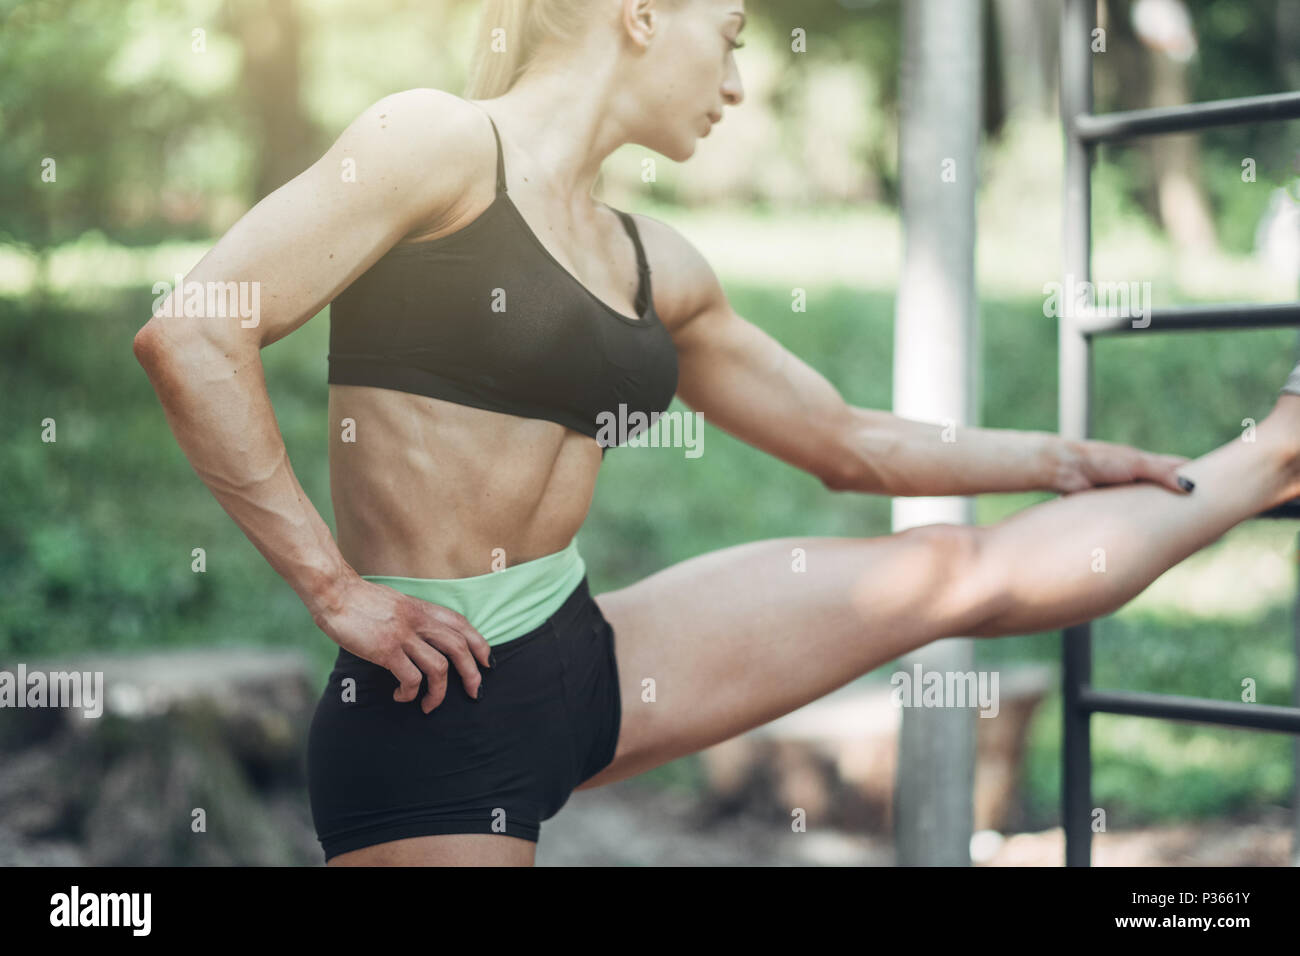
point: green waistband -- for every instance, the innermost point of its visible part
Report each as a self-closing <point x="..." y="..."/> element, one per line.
<point x="503" y="604"/>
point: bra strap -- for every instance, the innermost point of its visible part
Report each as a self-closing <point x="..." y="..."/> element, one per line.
<point x="501" y="162"/>
<point x="630" y="226"/>
<point x="643" y="267"/>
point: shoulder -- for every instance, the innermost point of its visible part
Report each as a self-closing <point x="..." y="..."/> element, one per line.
<point x="685" y="286"/>
<point x="424" y="147"/>
<point x="418" y="120"/>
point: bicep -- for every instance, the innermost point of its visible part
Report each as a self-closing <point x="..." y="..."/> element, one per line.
<point x="295" y="250"/>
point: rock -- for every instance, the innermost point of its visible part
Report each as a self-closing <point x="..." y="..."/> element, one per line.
<point x="15" y="850"/>
<point x="221" y="731"/>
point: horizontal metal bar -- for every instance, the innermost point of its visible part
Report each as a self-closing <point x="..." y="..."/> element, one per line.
<point x="1180" y="318"/>
<point x="1109" y="127"/>
<point x="1171" y="707"/>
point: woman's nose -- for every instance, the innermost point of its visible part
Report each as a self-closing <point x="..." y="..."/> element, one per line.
<point x="732" y="91"/>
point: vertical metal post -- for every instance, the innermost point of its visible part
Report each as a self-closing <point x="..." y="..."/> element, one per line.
<point x="1075" y="354"/>
<point x="934" y="339"/>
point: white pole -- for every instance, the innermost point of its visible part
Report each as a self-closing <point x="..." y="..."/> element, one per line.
<point x="935" y="344"/>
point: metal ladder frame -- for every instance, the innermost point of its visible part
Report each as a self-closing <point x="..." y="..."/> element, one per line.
<point x="1083" y="132"/>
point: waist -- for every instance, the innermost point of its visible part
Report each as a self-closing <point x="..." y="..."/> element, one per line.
<point x="502" y="605"/>
<point x="429" y="488"/>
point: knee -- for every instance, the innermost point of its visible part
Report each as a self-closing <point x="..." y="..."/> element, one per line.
<point x="967" y="596"/>
<point x="955" y="547"/>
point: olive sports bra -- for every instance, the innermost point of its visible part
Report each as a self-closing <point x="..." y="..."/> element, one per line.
<point x="487" y="317"/>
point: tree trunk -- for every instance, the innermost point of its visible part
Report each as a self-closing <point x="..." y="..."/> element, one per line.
<point x="1026" y="31"/>
<point x="1184" y="211"/>
<point x="271" y="36"/>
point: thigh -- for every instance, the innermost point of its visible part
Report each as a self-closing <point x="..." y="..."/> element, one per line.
<point x="458" y="849"/>
<point x="720" y="643"/>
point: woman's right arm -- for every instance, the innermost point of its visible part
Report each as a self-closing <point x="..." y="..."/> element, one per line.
<point x="297" y="249"/>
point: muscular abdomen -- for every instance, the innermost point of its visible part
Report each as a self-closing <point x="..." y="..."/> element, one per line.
<point x="430" y="489"/>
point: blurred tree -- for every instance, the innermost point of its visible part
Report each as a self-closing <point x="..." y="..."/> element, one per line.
<point x="152" y="138"/>
<point x="1027" y="33"/>
<point x="270" y="35"/>
<point x="1194" y="188"/>
<point x="1165" y="29"/>
<point x="112" y="94"/>
<point x="1287" y="47"/>
<point x="57" y="121"/>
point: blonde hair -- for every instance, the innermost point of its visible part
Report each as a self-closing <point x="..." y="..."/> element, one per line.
<point x="525" y="26"/>
<point x="500" y="59"/>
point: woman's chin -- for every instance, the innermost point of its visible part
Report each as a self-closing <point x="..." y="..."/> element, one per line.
<point x="687" y="149"/>
<point x="678" y="150"/>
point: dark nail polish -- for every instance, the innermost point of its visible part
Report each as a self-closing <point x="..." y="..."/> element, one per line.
<point x="480" y="692"/>
<point x="1185" y="483"/>
<point x="492" y="658"/>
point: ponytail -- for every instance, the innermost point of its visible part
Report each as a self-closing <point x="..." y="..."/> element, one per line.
<point x="509" y="35"/>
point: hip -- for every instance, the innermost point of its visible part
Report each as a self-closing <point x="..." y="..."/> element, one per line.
<point x="548" y="720"/>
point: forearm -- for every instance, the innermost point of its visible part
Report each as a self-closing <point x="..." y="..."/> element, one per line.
<point x="882" y="453"/>
<point x="218" y="408"/>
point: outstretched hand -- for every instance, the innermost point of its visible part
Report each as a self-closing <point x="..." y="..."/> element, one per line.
<point x="1089" y="463"/>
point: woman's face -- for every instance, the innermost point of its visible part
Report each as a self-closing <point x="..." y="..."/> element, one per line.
<point x="687" y="70"/>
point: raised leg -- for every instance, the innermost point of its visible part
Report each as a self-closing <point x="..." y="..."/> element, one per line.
<point x="1087" y="554"/>
<point x="726" y="641"/>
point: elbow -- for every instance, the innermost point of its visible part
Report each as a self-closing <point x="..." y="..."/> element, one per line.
<point x="834" y="462"/>
<point x="174" y="358"/>
<point x="157" y="357"/>
<point x="841" y="470"/>
<point x="851" y="477"/>
<point x="853" y="453"/>
<point x="833" y="480"/>
<point x="158" y="349"/>
<point x="145" y="346"/>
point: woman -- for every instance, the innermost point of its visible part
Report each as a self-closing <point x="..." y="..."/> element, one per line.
<point x="481" y="326"/>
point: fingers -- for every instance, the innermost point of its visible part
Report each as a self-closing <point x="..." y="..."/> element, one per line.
<point x="1173" y="480"/>
<point x="1163" y="469"/>
<point x="455" y="649"/>
<point x="419" y="662"/>
<point x="431" y="639"/>
<point x="1181" y="483"/>
<point x="475" y="643"/>
<point x="452" y="648"/>
<point x="447" y="637"/>
<point x="435" y="668"/>
<point x="407" y="674"/>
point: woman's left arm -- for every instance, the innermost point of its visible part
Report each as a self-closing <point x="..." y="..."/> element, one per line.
<point x="752" y="387"/>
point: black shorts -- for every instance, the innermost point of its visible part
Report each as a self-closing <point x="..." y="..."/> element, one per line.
<point x="379" y="770"/>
